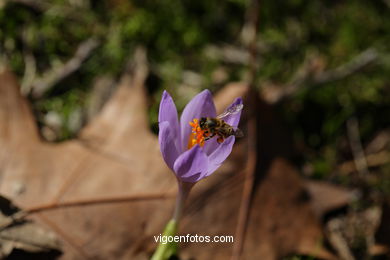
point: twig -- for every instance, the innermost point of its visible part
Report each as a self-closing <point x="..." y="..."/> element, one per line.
<point x="30" y="70"/>
<point x="20" y="215"/>
<point x="138" y="66"/>
<point x="247" y="191"/>
<point x="249" y="36"/>
<point x="373" y="160"/>
<point x="41" y="85"/>
<point x="304" y="76"/>
<point x="108" y="200"/>
<point x="337" y="240"/>
<point x="356" y="146"/>
<point x="357" y="63"/>
<point x="228" y="54"/>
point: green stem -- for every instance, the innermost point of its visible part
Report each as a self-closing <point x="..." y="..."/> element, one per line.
<point x="165" y="250"/>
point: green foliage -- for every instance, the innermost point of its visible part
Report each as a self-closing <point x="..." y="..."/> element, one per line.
<point x="177" y="34"/>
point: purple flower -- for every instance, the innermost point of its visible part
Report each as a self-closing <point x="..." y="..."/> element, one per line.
<point x="190" y="156"/>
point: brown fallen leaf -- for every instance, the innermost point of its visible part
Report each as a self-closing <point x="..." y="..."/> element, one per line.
<point x="117" y="155"/>
<point x="25" y="236"/>
<point x="113" y="158"/>
<point x="327" y="197"/>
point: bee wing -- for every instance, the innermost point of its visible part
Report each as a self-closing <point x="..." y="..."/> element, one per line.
<point x="238" y="133"/>
<point x="231" y="111"/>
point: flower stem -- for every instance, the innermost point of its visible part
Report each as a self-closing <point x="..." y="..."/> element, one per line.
<point x="182" y="195"/>
<point x="167" y="249"/>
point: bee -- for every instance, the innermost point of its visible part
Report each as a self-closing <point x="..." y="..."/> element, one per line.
<point x="217" y="126"/>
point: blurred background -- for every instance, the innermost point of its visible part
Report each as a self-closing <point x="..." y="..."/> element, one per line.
<point x="323" y="65"/>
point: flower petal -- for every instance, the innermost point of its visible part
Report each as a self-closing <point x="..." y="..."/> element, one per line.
<point x="220" y="154"/>
<point x="233" y="120"/>
<point x="168" y="147"/>
<point x="210" y="145"/>
<point x="201" y="105"/>
<point x="192" y="165"/>
<point x="168" y="113"/>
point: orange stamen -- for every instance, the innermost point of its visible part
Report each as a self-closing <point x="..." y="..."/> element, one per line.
<point x="197" y="134"/>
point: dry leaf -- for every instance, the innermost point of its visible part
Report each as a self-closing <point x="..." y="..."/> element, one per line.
<point x="25" y="236"/>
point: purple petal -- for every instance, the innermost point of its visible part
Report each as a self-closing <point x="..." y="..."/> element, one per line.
<point x="168" y="147"/>
<point x="220" y="154"/>
<point x="232" y="120"/>
<point x="192" y="165"/>
<point x="210" y="145"/>
<point x="201" y="105"/>
<point x="168" y="113"/>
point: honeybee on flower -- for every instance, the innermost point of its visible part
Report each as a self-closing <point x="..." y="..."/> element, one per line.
<point x="208" y="127"/>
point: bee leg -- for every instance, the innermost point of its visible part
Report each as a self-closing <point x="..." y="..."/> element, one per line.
<point x="220" y="139"/>
<point x="209" y="137"/>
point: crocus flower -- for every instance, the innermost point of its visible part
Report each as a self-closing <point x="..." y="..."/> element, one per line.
<point x="182" y="143"/>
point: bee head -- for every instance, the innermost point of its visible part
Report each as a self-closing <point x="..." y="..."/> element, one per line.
<point x="206" y="122"/>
